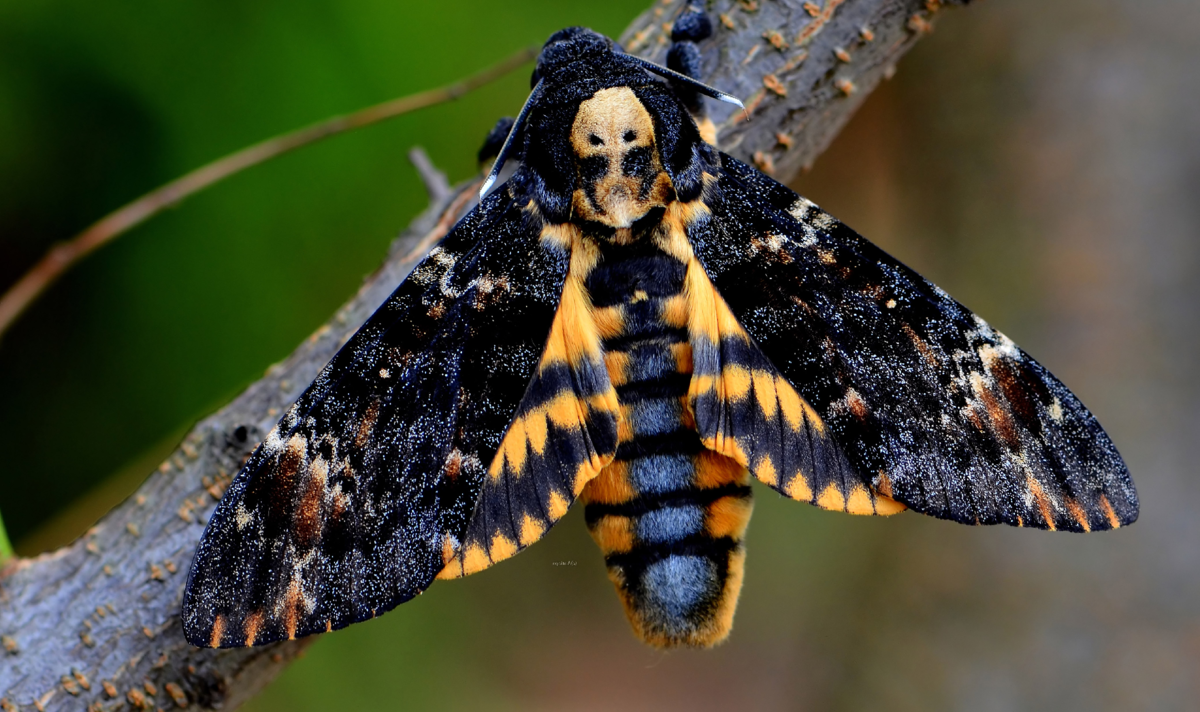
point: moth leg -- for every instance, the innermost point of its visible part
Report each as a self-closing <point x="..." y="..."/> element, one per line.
<point x="494" y="142"/>
<point x="693" y="25"/>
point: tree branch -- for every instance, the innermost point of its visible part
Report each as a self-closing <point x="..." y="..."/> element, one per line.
<point x="96" y="623"/>
<point x="802" y="68"/>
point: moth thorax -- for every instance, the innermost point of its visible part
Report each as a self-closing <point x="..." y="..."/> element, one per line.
<point x="620" y="174"/>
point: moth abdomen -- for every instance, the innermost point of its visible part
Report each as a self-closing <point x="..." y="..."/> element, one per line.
<point x="668" y="514"/>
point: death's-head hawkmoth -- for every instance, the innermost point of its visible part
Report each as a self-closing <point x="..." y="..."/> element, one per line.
<point x="643" y="323"/>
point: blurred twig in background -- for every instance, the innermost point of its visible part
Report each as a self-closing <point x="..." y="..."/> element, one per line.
<point x="96" y="623"/>
<point x="61" y="257"/>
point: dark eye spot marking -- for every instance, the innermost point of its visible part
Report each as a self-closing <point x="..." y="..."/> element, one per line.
<point x="595" y="140"/>
<point x="630" y="136"/>
<point x="593" y="168"/>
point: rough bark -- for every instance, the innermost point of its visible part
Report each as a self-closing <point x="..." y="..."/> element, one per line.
<point x="95" y="624"/>
<point x="801" y="68"/>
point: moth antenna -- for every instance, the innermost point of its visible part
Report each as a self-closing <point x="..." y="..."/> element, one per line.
<point x="506" y="149"/>
<point x="685" y="79"/>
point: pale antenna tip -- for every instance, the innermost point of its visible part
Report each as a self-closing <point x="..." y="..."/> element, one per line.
<point x="486" y="184"/>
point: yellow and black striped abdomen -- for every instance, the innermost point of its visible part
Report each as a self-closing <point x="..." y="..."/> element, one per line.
<point x="668" y="513"/>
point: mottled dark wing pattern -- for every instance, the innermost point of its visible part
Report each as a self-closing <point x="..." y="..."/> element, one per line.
<point x="563" y="433"/>
<point x="931" y="406"/>
<point x="342" y="513"/>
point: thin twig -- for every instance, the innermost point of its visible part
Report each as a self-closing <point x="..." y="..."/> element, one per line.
<point x="63" y="256"/>
<point x="435" y="181"/>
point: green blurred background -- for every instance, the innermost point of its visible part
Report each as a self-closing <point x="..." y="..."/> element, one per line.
<point x="1040" y="163"/>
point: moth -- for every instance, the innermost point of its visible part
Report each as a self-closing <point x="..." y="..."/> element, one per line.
<point x="640" y="322"/>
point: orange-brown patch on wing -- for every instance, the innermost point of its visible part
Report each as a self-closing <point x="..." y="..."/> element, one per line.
<point x="765" y="471"/>
<point x="574" y="335"/>
<point x="251" y="628"/>
<point x="307" y="521"/>
<point x="474" y="559"/>
<point x="293" y="606"/>
<point x="1109" y="513"/>
<point x="585" y="473"/>
<point x="1043" y="501"/>
<point x="726" y="445"/>
<point x="885" y="506"/>
<point x="972" y="413"/>
<point x="764" y="393"/>
<point x="512" y="452"/>
<point x="796" y="410"/>
<point x="453" y="564"/>
<point x="860" y="501"/>
<point x="532" y="529"/>
<point x="218" y="630"/>
<point x="999" y="416"/>
<point x="1014" y="391"/>
<point x="1077" y="513"/>
<point x="449" y="549"/>
<point x="291" y="460"/>
<point x="856" y="404"/>
<point x="453" y="465"/>
<point x="671" y="237"/>
<point x="831" y="498"/>
<point x="798" y="488"/>
<point x="735" y="382"/>
<point x="556" y="505"/>
<point x="537" y="430"/>
<point x="683" y="357"/>
<point x="566" y="410"/>
<point x="501" y="547"/>
<point x="367" y="424"/>
<point x="339" y="503"/>
<point x="921" y="346"/>
<point x="709" y="317"/>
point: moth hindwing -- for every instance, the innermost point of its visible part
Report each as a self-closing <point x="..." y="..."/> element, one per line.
<point x="639" y="321"/>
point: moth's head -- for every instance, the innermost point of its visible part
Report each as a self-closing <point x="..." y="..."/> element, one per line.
<point x="619" y="175"/>
<point x="603" y="139"/>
